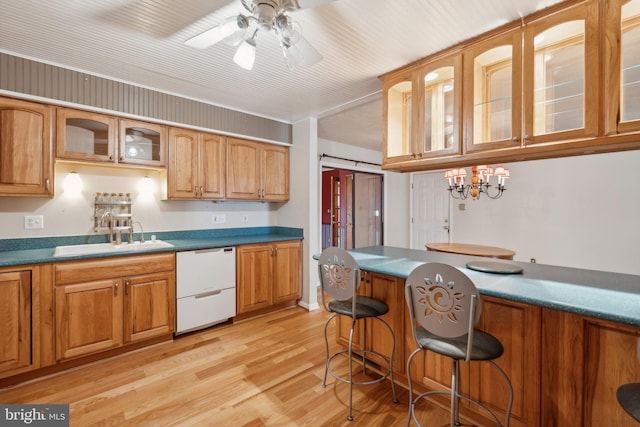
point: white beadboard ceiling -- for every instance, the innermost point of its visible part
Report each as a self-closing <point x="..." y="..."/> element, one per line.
<point x="142" y="42"/>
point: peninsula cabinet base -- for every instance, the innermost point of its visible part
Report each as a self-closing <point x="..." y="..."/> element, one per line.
<point x="584" y="361"/>
<point x="564" y="368"/>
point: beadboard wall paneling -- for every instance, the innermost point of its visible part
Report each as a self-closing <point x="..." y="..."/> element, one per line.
<point x="25" y="76"/>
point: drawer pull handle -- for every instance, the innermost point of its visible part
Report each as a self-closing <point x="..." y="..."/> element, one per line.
<point x="208" y="294"/>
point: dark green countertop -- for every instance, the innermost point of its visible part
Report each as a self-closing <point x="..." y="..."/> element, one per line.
<point x="598" y="294"/>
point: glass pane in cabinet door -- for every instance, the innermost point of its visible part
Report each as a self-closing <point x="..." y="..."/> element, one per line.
<point x="630" y="91"/>
<point x="439" y="109"/>
<point x="141" y="144"/>
<point x="87" y="136"/>
<point x="492" y="95"/>
<point x="399" y="119"/>
<point x="559" y="78"/>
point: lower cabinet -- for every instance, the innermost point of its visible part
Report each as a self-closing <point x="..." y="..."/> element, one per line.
<point x="26" y="342"/>
<point x="564" y="368"/>
<point x="104" y="304"/>
<point x="269" y="276"/>
<point x="15" y="320"/>
<point x="584" y="361"/>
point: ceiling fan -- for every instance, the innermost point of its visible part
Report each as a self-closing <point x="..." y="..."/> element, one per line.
<point x="265" y="16"/>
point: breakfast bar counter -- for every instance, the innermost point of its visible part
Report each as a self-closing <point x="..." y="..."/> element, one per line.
<point x="598" y="294"/>
<point x="570" y="336"/>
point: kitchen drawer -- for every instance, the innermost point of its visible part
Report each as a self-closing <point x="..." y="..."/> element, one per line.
<point x="198" y="311"/>
<point x="108" y="268"/>
<point x="206" y="270"/>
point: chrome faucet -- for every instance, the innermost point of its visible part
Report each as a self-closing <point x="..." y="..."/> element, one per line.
<point x="141" y="232"/>
<point x="104" y="215"/>
<point x="111" y="230"/>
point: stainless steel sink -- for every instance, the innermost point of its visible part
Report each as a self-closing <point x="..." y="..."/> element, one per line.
<point x="99" y="248"/>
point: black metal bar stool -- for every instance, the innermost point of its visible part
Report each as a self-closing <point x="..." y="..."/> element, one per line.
<point x="629" y="398"/>
<point x="340" y="279"/>
<point x="444" y="306"/>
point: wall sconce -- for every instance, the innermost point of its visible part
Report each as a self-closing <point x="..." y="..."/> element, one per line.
<point x="72" y="184"/>
<point x="479" y="182"/>
<point x="146" y="188"/>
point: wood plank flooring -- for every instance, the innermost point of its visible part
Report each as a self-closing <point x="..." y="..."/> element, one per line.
<point x="262" y="372"/>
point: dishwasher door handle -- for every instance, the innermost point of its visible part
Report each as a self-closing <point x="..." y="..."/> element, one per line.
<point x="208" y="294"/>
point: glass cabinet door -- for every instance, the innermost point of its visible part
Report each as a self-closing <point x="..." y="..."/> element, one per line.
<point x="82" y="135"/>
<point x="561" y="76"/>
<point x="493" y="101"/>
<point x="438" y="104"/>
<point x="142" y="143"/>
<point x="398" y="112"/>
<point x="623" y="66"/>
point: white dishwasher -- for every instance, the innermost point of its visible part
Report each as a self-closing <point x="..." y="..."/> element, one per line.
<point x="205" y="288"/>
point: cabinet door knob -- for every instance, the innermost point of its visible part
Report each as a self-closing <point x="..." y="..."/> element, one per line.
<point x="515" y="139"/>
<point x="126" y="287"/>
<point x="115" y="288"/>
<point x="47" y="184"/>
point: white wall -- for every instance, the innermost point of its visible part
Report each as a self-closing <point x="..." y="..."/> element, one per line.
<point x="302" y="210"/>
<point x="577" y="212"/>
<point x="69" y="216"/>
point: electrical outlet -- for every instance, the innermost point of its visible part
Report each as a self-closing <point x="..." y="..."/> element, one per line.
<point x="33" y="221"/>
<point x="219" y="219"/>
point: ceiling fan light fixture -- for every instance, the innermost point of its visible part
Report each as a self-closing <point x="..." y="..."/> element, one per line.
<point x="246" y="54"/>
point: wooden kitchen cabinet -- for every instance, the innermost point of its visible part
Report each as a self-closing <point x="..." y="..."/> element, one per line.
<point x="85" y="136"/>
<point x="105" y="304"/>
<point x="422" y="110"/>
<point x="561" y="85"/>
<point x="196" y="165"/>
<point x="26" y="148"/>
<point x="269" y="276"/>
<point x="584" y="361"/>
<point x="493" y="92"/>
<point x="92" y="137"/>
<point x="26" y="318"/>
<point x="257" y="171"/>
<point x="142" y="143"/>
<point x="15" y="320"/>
<point x="622" y="66"/>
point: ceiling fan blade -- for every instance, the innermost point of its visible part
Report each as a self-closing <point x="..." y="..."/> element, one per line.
<point x="230" y="26"/>
<point x="301" y="54"/>
<point x="306" y="4"/>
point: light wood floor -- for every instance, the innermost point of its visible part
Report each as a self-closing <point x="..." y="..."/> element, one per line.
<point x="262" y="372"/>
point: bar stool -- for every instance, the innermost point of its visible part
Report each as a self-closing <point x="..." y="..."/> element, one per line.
<point x="444" y="306"/>
<point x="629" y="398"/>
<point x="340" y="279"/>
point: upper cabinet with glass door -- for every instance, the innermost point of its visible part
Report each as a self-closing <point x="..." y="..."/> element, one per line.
<point x="493" y="92"/>
<point x="622" y="54"/>
<point x="86" y="136"/>
<point x="422" y="111"/>
<point x="142" y="143"/>
<point x="561" y="76"/>
<point x="92" y="137"/>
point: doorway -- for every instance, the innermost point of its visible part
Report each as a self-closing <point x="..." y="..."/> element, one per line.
<point x="351" y="208"/>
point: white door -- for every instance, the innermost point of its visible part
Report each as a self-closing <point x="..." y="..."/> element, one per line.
<point x="429" y="209"/>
